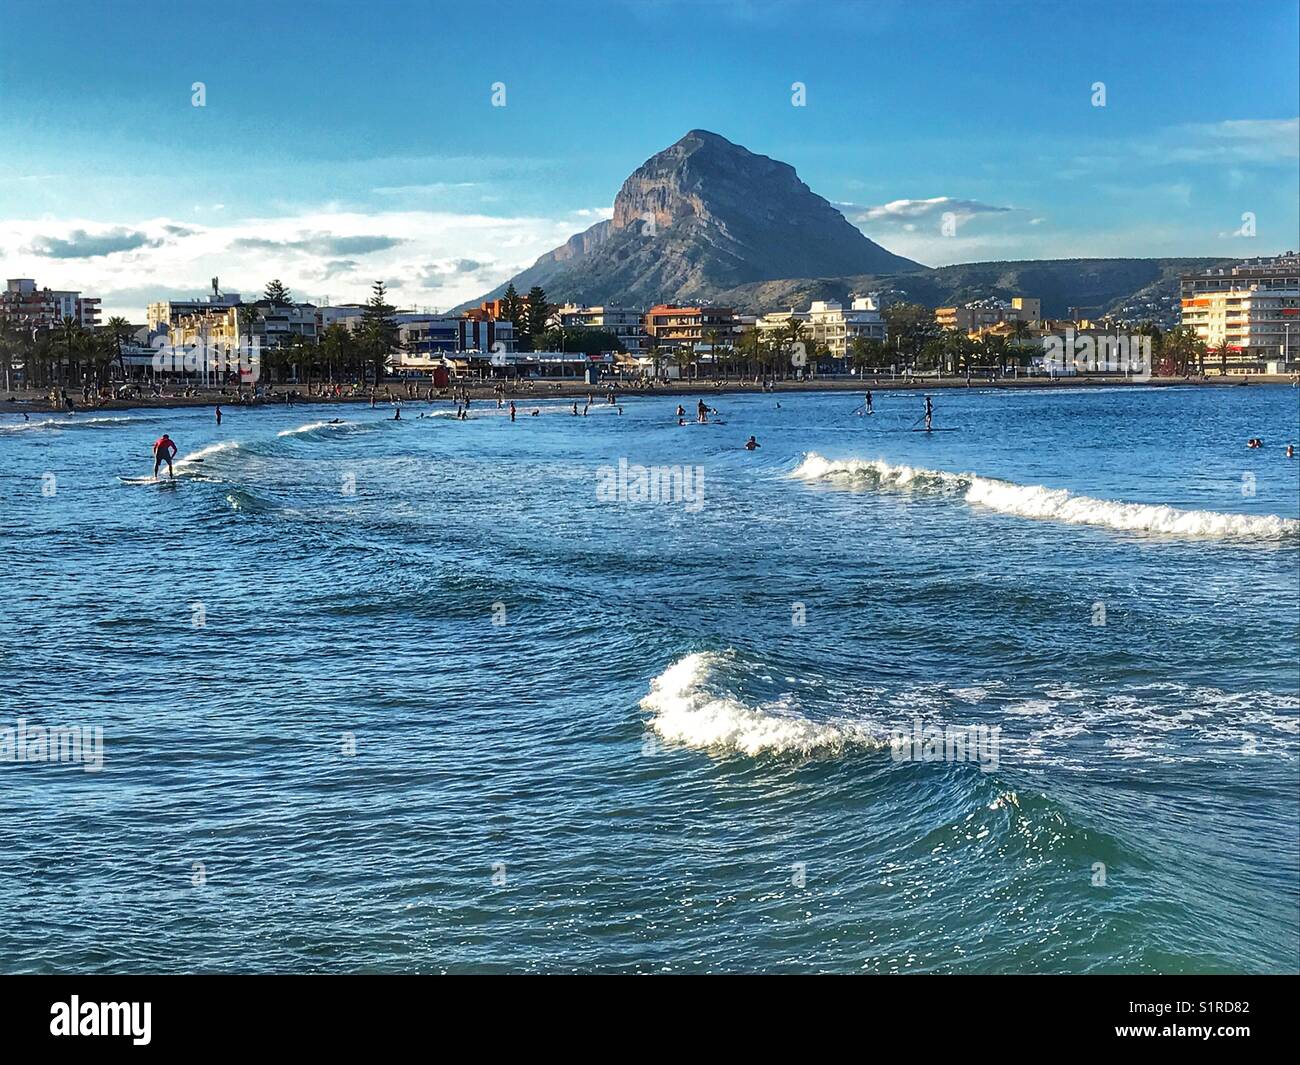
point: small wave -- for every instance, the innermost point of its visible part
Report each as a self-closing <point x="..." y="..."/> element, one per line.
<point x="206" y="452"/>
<point x="686" y="711"/>
<point x="1041" y="503"/>
<point x="100" y="422"/>
<point x="317" y="428"/>
<point x="876" y="473"/>
<point x="1057" y="504"/>
<point x="246" y="502"/>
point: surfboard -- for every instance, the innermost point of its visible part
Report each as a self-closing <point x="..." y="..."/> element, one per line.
<point x="148" y="480"/>
<point x="935" y="430"/>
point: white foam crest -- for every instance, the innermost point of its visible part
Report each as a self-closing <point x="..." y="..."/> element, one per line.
<point x="312" y="427"/>
<point x="1041" y="503"/>
<point x="206" y="452"/>
<point x="877" y="473"/>
<point x="685" y="711"/>
<point x="1058" y="504"/>
<point x="69" y="423"/>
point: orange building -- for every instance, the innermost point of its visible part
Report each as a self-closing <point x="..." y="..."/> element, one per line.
<point x="673" y="326"/>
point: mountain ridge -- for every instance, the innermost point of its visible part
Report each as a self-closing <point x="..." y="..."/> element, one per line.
<point x="702" y="215"/>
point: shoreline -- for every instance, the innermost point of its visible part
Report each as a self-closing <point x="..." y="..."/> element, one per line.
<point x="32" y="401"/>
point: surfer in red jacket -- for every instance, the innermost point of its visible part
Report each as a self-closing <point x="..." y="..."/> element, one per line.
<point x="163" y="449"/>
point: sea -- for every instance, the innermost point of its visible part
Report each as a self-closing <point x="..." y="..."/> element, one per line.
<point x="607" y="693"/>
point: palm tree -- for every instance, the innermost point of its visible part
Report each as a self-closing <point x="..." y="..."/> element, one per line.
<point x="70" y="334"/>
<point x="792" y="331"/>
<point x="713" y="336"/>
<point x="685" y="356"/>
<point x="116" y="328"/>
<point x="652" y="346"/>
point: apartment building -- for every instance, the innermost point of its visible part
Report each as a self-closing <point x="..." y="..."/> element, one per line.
<point x="673" y="326"/>
<point x="1248" y="315"/>
<point x="625" y="323"/>
<point x="25" y="305"/>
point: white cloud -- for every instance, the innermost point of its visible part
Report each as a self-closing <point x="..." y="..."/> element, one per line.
<point x="935" y="207"/>
<point x="433" y="258"/>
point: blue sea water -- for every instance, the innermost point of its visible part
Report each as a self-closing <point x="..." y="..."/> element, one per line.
<point x="432" y="695"/>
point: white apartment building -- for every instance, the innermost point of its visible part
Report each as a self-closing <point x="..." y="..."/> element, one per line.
<point x="1259" y="326"/>
<point x="827" y="323"/>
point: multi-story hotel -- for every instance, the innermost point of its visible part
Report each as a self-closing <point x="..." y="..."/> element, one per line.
<point x="673" y="326"/>
<point x="29" y="307"/>
<point x="1248" y="315"/>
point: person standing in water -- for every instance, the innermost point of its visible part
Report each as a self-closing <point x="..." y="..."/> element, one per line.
<point x="164" y="450"/>
<point x="929" y="413"/>
<point x="218" y="415"/>
<point x="512" y="410"/>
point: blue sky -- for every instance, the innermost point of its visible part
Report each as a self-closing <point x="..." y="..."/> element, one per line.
<point x="344" y="142"/>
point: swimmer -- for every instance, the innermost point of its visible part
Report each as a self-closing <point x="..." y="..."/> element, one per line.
<point x="751" y="444"/>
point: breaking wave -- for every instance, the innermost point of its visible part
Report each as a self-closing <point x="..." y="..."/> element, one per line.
<point x="687" y="708"/>
<point x="205" y="453"/>
<point x="1041" y="503"/>
<point x="100" y="422"/>
<point x="318" y="428"/>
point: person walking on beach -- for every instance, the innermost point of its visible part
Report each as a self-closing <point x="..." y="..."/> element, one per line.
<point x="164" y="450"/>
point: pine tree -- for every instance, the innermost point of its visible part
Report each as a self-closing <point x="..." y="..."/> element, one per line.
<point x="378" y="330"/>
<point x="536" y="312"/>
<point x="278" y="294"/>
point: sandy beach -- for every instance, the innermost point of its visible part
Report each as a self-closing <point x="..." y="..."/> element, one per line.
<point x="38" y="401"/>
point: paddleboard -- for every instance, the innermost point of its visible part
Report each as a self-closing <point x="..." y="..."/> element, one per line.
<point x="148" y="480"/>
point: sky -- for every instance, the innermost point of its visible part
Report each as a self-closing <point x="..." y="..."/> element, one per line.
<point x="341" y="143"/>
